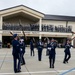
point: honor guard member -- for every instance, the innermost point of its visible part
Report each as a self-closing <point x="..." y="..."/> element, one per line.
<point x="67" y="51"/>
<point x="51" y="47"/>
<point x="22" y="51"/>
<point x="16" y="53"/>
<point x="40" y="48"/>
<point x="32" y="47"/>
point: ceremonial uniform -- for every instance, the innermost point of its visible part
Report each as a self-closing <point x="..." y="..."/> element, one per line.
<point x="51" y="47"/>
<point x="16" y="53"/>
<point x="67" y="52"/>
<point x="22" y="51"/>
<point x="32" y="47"/>
<point x="40" y="48"/>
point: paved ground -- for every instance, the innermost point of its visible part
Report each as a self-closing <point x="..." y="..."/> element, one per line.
<point x="35" y="67"/>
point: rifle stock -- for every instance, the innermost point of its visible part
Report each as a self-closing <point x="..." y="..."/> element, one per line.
<point x="70" y="39"/>
<point x="73" y="32"/>
<point x="11" y="33"/>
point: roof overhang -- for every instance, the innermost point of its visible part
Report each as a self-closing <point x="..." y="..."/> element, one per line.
<point x="21" y="10"/>
<point x="59" y="18"/>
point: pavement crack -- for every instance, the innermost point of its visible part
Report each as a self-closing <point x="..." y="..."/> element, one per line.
<point x="27" y="70"/>
<point x="3" y="60"/>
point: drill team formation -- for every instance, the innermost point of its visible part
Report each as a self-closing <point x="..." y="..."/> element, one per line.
<point x="19" y="46"/>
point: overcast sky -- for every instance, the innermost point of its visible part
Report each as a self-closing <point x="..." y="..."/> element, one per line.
<point x="53" y="7"/>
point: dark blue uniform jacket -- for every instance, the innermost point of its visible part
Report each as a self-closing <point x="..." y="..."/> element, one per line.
<point x="22" y="47"/>
<point x="16" y="48"/>
<point x="31" y="45"/>
<point x="40" y="46"/>
<point x="51" y="47"/>
<point x="67" y="48"/>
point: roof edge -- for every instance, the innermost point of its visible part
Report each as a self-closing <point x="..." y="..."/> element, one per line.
<point x="20" y="6"/>
<point x="59" y="15"/>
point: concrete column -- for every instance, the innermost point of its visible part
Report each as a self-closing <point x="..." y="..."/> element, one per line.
<point x="73" y="41"/>
<point x="0" y="28"/>
<point x="0" y="37"/>
<point x="40" y="28"/>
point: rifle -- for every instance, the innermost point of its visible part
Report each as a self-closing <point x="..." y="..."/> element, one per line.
<point x="13" y="34"/>
<point x="72" y="35"/>
<point x="70" y="39"/>
<point x="22" y="30"/>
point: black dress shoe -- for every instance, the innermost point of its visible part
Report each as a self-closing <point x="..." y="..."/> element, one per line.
<point x="23" y="64"/>
<point x="53" y="66"/>
<point x="15" y="71"/>
<point x="50" y="67"/>
<point x="39" y="60"/>
<point x="19" y="71"/>
<point x="66" y="61"/>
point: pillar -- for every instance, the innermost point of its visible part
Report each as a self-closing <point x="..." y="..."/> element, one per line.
<point x="40" y="28"/>
<point x="1" y="28"/>
<point x="72" y="42"/>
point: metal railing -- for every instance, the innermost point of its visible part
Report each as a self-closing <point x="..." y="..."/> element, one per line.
<point x="35" y="27"/>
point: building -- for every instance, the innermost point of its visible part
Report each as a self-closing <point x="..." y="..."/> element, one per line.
<point x="35" y="24"/>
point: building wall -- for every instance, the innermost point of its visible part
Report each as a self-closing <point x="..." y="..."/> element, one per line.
<point x="15" y="20"/>
<point x="72" y="24"/>
<point x="55" y="23"/>
<point x="11" y="17"/>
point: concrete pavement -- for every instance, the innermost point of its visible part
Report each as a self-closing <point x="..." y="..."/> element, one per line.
<point x="35" y="67"/>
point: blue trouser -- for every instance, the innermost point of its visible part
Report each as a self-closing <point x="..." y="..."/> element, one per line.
<point x="32" y="51"/>
<point x="52" y="60"/>
<point x="39" y="55"/>
<point x="22" y="58"/>
<point x="16" y="64"/>
<point x="67" y="56"/>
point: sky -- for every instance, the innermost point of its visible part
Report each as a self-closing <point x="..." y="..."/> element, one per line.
<point x="52" y="7"/>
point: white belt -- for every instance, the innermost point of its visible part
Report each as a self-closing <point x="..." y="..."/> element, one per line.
<point x="21" y="49"/>
<point x="49" y="48"/>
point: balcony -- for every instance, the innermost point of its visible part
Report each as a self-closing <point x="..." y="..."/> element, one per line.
<point x="35" y="27"/>
<point x="60" y="28"/>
